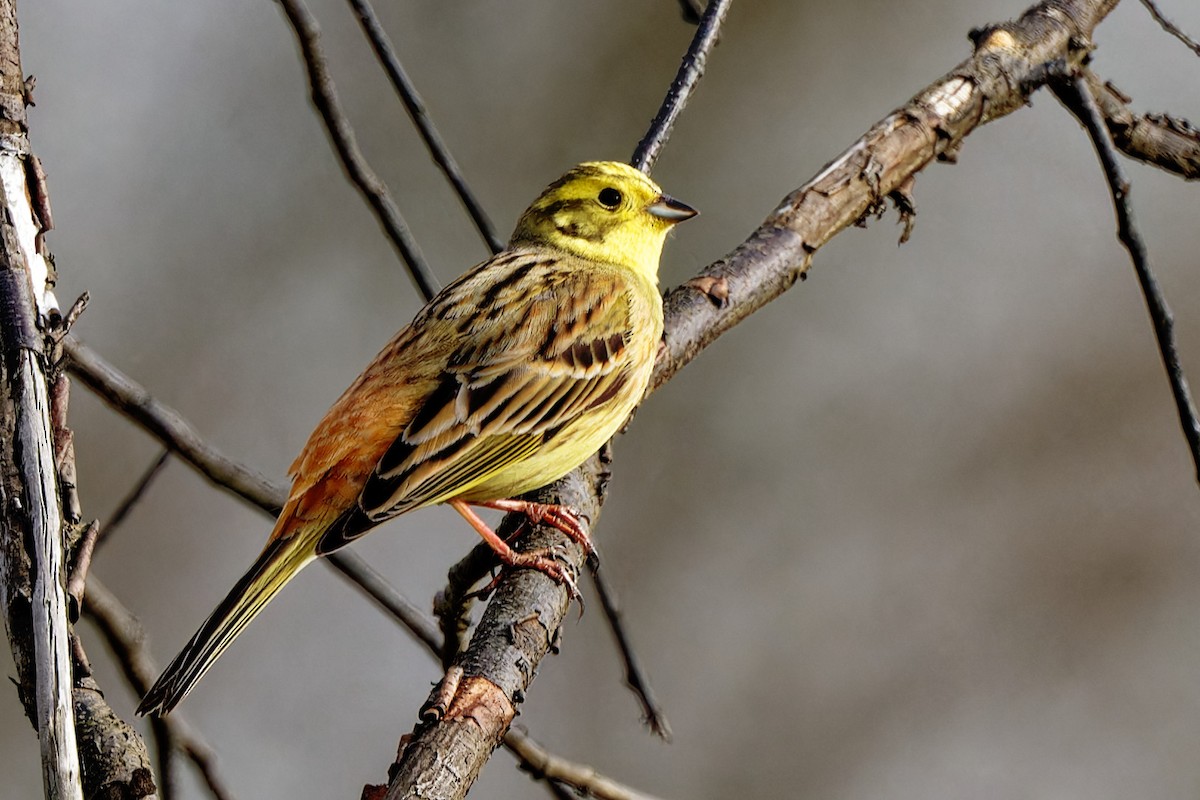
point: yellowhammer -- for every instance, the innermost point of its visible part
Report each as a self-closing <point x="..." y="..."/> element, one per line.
<point x="507" y="380"/>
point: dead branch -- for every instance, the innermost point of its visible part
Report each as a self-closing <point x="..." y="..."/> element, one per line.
<point x="1160" y="140"/>
<point x="683" y="87"/>
<point x="1074" y="94"/>
<point x="419" y="115"/>
<point x="34" y="595"/>
<point x="345" y="144"/>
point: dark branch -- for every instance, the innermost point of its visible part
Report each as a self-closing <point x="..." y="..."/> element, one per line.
<point x="635" y="676"/>
<point x="683" y="87"/>
<point x="420" y="117"/>
<point x="1171" y="27"/>
<point x="97" y="533"/>
<point x="367" y="579"/>
<point x="341" y="135"/>
<point x="135" y="495"/>
<point x="1075" y="95"/>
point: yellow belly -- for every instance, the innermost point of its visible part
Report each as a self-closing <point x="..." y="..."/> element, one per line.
<point x="569" y="448"/>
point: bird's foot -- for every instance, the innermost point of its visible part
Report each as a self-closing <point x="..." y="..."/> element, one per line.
<point x="562" y="518"/>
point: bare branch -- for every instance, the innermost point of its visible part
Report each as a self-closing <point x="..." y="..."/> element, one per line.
<point x="520" y="625"/>
<point x="635" y="676"/>
<point x="97" y="533"/>
<point x="341" y="135"/>
<point x="1075" y="95"/>
<point x="1009" y="63"/>
<point x="33" y="576"/>
<point x="1171" y="27"/>
<point x="1157" y="139"/>
<point x="683" y="87"/>
<point x="420" y="116"/>
<point x="582" y="778"/>
<point x="366" y="578"/>
<point x="135" y="495"/>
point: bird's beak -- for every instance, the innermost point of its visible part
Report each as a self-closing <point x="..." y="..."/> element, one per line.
<point x="670" y="209"/>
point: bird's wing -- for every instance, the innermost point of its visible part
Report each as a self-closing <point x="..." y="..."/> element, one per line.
<point x="527" y="366"/>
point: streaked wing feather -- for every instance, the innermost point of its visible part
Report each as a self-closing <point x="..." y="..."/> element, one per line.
<point x="518" y="379"/>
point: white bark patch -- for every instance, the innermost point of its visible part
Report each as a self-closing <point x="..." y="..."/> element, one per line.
<point x="949" y="98"/>
<point x="12" y="175"/>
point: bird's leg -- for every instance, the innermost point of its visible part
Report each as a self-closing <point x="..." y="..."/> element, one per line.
<point x="541" y="560"/>
<point x="558" y="517"/>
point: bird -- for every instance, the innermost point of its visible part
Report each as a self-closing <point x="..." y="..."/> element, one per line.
<point x="509" y="378"/>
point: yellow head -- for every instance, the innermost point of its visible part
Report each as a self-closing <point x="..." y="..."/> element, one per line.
<point x="604" y="211"/>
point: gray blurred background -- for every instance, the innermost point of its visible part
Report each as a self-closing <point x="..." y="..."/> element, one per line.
<point x="925" y="527"/>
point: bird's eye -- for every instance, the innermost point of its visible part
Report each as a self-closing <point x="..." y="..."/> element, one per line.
<point x="610" y="198"/>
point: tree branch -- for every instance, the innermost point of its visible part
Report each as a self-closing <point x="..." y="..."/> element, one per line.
<point x="419" y="115"/>
<point x="1160" y="140"/>
<point x="635" y="677"/>
<point x="683" y="87"/>
<point x="583" y="779"/>
<point x="1171" y="27"/>
<point x="34" y="594"/>
<point x="1074" y="94"/>
<point x="345" y="144"/>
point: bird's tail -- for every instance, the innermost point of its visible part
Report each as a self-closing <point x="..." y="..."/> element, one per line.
<point x="275" y="567"/>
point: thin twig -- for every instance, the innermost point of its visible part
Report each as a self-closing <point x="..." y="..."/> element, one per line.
<point x="635" y="676"/>
<point x="124" y="637"/>
<point x="97" y="533"/>
<point x="418" y="113"/>
<point x="134" y="496"/>
<point x="1075" y="95"/>
<point x="683" y="87"/>
<point x="341" y="135"/>
<point x="582" y="778"/>
<point x="1171" y="27"/>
